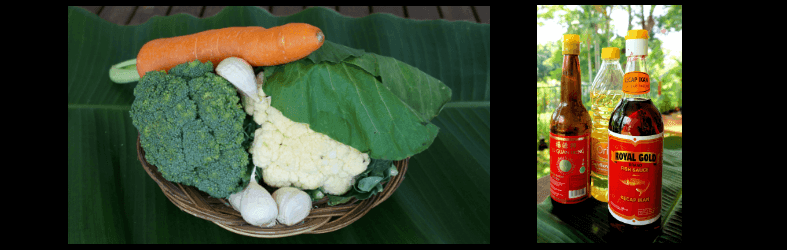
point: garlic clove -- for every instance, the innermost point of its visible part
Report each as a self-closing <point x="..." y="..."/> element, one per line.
<point x="294" y="205"/>
<point x="239" y="72"/>
<point x="255" y="204"/>
<point x="258" y="207"/>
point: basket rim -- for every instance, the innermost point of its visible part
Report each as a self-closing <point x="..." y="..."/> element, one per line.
<point x="322" y="218"/>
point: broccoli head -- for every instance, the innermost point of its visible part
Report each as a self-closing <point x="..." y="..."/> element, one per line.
<point x="190" y="124"/>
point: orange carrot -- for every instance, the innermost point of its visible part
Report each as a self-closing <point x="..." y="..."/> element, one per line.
<point x="256" y="45"/>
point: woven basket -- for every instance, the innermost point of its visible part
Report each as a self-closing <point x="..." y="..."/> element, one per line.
<point x="321" y="219"/>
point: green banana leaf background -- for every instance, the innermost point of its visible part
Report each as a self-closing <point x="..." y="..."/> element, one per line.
<point x="445" y="197"/>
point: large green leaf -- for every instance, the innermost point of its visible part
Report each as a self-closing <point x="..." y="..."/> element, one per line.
<point x="387" y="118"/>
<point x="445" y="197"/>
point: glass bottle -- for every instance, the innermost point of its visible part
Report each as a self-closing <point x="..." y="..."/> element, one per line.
<point x="636" y="148"/>
<point x="569" y="136"/>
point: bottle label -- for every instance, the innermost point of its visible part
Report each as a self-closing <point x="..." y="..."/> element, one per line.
<point x="600" y="160"/>
<point x="636" y="83"/>
<point x="569" y="165"/>
<point x="635" y="164"/>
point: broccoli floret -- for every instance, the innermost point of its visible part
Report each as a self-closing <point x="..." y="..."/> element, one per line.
<point x="190" y="124"/>
<point x="190" y="70"/>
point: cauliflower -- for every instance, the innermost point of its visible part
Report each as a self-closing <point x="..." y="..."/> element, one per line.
<point x="291" y="154"/>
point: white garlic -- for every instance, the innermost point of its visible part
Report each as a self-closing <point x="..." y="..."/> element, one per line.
<point x="255" y="204"/>
<point x="294" y="205"/>
<point x="239" y="72"/>
<point x="258" y="207"/>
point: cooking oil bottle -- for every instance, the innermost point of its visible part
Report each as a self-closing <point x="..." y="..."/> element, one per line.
<point x="604" y="95"/>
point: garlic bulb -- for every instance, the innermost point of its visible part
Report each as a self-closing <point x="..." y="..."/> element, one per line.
<point x="238" y="72"/>
<point x="294" y="205"/>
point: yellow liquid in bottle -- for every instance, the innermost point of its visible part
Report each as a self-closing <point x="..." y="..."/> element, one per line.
<point x="603" y="103"/>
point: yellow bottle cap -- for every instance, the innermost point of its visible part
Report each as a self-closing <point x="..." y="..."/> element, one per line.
<point x="610" y="53"/>
<point x="571" y="44"/>
<point x="637" y="34"/>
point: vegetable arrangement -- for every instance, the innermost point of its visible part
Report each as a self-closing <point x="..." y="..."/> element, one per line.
<point x="329" y="124"/>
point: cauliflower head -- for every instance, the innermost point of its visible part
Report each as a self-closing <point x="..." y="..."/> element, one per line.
<point x="291" y="154"/>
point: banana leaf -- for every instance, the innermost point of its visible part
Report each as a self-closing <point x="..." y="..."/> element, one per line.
<point x="445" y="197"/>
<point x="589" y="223"/>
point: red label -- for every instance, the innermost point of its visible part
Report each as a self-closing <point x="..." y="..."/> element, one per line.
<point x="569" y="159"/>
<point x="635" y="164"/>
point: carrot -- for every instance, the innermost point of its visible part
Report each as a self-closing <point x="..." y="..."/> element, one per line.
<point x="256" y="45"/>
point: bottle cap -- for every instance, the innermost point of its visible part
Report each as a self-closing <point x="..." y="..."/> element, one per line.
<point x="637" y="43"/>
<point x="637" y="34"/>
<point x="610" y="53"/>
<point x="570" y="44"/>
